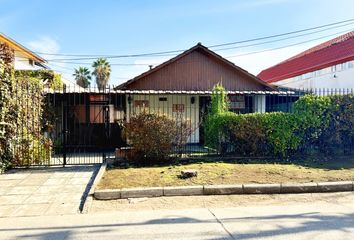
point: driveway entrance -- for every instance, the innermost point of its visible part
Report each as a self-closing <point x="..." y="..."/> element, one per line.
<point x="45" y="191"/>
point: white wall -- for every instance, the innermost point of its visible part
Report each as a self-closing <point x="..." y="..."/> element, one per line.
<point x="340" y="76"/>
<point x="190" y="113"/>
<point x="22" y="63"/>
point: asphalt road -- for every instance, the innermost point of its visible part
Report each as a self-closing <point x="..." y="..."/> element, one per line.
<point x="316" y="219"/>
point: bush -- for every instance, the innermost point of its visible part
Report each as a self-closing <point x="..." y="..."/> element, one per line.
<point x="283" y="132"/>
<point x="154" y="136"/>
<point x="329" y="121"/>
<point x="248" y="134"/>
<point x="253" y="134"/>
<point x="324" y="123"/>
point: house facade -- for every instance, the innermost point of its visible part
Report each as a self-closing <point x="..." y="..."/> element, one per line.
<point x="181" y="88"/>
<point x="327" y="65"/>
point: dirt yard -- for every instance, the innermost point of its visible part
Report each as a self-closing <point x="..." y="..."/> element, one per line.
<point x="228" y="173"/>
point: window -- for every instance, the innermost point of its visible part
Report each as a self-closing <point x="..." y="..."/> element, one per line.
<point x="351" y="64"/>
<point x="333" y="68"/>
<point x="339" y="67"/>
<point x="162" y="99"/>
<point x="30" y="62"/>
<point x="344" y="65"/>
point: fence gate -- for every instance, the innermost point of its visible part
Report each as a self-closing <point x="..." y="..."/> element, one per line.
<point x="85" y="130"/>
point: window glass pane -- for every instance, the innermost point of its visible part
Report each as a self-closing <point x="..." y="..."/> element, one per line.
<point x="338" y="67"/>
<point x="344" y="66"/>
<point x="351" y="64"/>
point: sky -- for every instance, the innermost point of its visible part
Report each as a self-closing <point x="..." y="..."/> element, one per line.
<point x="124" y="27"/>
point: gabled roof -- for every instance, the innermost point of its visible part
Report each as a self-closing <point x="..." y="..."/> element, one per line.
<point x="198" y="47"/>
<point x="18" y="47"/>
<point x="332" y="52"/>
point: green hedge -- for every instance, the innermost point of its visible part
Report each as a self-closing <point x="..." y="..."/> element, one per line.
<point x="253" y="134"/>
<point x="322" y="123"/>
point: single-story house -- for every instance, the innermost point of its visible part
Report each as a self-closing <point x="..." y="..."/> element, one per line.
<point x="181" y="87"/>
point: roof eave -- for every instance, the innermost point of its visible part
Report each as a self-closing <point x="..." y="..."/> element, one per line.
<point x="22" y="48"/>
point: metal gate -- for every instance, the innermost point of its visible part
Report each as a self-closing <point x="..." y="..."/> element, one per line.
<point x="84" y="127"/>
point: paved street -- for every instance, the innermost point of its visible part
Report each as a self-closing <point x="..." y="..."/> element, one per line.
<point x="327" y="216"/>
<point x="44" y="191"/>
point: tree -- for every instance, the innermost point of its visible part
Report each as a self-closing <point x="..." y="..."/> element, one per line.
<point x="82" y="77"/>
<point x="102" y="71"/>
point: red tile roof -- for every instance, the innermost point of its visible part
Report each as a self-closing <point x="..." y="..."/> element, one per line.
<point x="337" y="50"/>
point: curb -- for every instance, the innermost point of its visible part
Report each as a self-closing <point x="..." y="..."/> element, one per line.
<point x="89" y="197"/>
<point x="276" y="188"/>
<point x="183" y="191"/>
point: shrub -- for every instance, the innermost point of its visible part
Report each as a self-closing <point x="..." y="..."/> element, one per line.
<point x="324" y="123"/>
<point x="52" y="79"/>
<point x="283" y="132"/>
<point x="248" y="134"/>
<point x="253" y="134"/>
<point x="328" y="120"/>
<point x="154" y="136"/>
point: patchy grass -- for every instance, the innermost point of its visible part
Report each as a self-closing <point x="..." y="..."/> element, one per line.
<point x="230" y="172"/>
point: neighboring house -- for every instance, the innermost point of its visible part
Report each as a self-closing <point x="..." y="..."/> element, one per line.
<point x="327" y="65"/>
<point x="25" y="59"/>
<point x="181" y="87"/>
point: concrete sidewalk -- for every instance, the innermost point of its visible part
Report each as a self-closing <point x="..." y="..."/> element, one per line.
<point x="44" y="191"/>
<point x="316" y="220"/>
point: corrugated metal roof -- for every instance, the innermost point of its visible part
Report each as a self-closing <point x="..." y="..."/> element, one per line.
<point x="163" y="92"/>
<point x="337" y="50"/>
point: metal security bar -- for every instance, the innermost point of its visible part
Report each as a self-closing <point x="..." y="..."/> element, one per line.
<point x="74" y="125"/>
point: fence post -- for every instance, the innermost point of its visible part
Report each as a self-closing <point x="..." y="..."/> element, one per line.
<point x="103" y="157"/>
<point x="65" y="130"/>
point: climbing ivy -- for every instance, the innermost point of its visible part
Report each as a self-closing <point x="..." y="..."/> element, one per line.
<point x="6" y="118"/>
<point x="22" y="125"/>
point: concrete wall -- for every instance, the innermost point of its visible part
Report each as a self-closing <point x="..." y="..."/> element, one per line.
<point x="338" y="76"/>
<point x="189" y="111"/>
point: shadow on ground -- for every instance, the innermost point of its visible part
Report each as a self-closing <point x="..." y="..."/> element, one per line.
<point x="307" y="222"/>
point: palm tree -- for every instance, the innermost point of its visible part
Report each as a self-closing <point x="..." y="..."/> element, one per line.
<point x="82" y="77"/>
<point x="102" y="71"/>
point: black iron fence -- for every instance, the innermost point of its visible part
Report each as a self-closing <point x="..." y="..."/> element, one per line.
<point x="85" y="126"/>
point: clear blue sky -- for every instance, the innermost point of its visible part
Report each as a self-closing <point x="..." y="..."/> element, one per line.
<point x="128" y="27"/>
